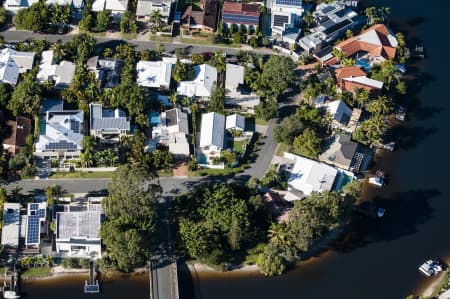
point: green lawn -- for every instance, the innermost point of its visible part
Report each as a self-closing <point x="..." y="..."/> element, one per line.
<point x="217" y="172"/>
<point x="165" y="173"/>
<point x="238" y="146"/>
<point x="206" y="42"/>
<point x="282" y="147"/>
<point x="129" y="35"/>
<point x="260" y="121"/>
<point x="82" y="175"/>
<point x="36" y="272"/>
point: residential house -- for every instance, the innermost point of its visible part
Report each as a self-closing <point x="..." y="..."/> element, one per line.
<point x="234" y="76"/>
<point x="117" y="7"/>
<point x="36" y="216"/>
<point x="203" y="20"/>
<point x="61" y="74"/>
<point x="339" y="112"/>
<point x="108" y="125"/>
<point x="78" y="234"/>
<point x="171" y="131"/>
<point x="13" y="63"/>
<point x="345" y="154"/>
<point x="374" y="45"/>
<point x="354" y="78"/>
<point x="245" y="101"/>
<point x="12" y="225"/>
<point x="286" y="16"/>
<point x="155" y="74"/>
<point x="333" y="20"/>
<point x="212" y="137"/>
<point x="18" y="131"/>
<point x="307" y="176"/>
<point x="237" y="13"/>
<point x="235" y="122"/>
<point x="145" y="8"/>
<point x="62" y="134"/>
<point x="107" y="70"/>
<point x="14" y="6"/>
<point x="205" y="77"/>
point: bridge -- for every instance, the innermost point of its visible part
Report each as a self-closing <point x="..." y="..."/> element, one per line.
<point x="163" y="280"/>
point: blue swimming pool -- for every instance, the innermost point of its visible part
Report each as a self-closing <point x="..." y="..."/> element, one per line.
<point x="363" y="63"/>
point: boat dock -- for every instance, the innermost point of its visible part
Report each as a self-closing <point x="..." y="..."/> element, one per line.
<point x="92" y="286"/>
<point x="387" y="146"/>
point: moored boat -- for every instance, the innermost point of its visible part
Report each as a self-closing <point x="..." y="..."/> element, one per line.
<point x="377" y="181"/>
<point x="431" y="267"/>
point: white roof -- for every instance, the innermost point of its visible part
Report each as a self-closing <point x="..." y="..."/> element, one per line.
<point x="178" y="144"/>
<point x="11" y="224"/>
<point x="84" y="225"/>
<point x="339" y="111"/>
<point x="202" y="85"/>
<point x="212" y="130"/>
<point x="13" y="63"/>
<point x="234" y="76"/>
<point x="308" y="175"/>
<point x="62" y="73"/>
<point x="372" y="37"/>
<point x="62" y="127"/>
<point x="235" y="121"/>
<point x="154" y="73"/>
<point x="113" y="5"/>
<point x="365" y="81"/>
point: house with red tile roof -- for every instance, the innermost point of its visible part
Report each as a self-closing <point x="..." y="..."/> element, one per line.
<point x="201" y="20"/>
<point x="19" y="130"/>
<point x="238" y="13"/>
<point x="374" y="45"/>
<point x="352" y="78"/>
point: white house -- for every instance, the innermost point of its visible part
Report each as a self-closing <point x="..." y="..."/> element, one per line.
<point x="205" y="77"/>
<point x="145" y="8"/>
<point x="13" y="63"/>
<point x="339" y="112"/>
<point x="286" y="15"/>
<point x="155" y="74"/>
<point x="77" y="234"/>
<point x="308" y="176"/>
<point x="36" y="215"/>
<point x="62" y="135"/>
<point x="11" y="225"/>
<point x="62" y="73"/>
<point x="332" y="19"/>
<point x="16" y="5"/>
<point x="108" y="125"/>
<point x="171" y="131"/>
<point x="212" y="136"/>
<point x="117" y="7"/>
<point x="235" y="122"/>
<point x="234" y="76"/>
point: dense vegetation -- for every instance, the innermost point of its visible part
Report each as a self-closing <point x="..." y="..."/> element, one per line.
<point x="131" y="211"/>
<point x="42" y="17"/>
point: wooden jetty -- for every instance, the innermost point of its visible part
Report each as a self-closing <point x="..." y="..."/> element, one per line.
<point x="92" y="286"/>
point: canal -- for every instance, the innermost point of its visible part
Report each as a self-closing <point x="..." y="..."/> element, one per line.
<point x="375" y="259"/>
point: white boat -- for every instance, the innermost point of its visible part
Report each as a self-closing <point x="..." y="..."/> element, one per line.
<point x="430" y="268"/>
<point x="401" y="68"/>
<point x="10" y="295"/>
<point x="377" y="181"/>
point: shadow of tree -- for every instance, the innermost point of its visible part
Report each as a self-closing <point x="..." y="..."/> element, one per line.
<point x="405" y="211"/>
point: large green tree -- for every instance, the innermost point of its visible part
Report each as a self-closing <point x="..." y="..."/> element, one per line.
<point x="130" y="209"/>
<point x="286" y="131"/>
<point x="26" y="98"/>
<point x="307" y="144"/>
<point x="277" y="75"/>
<point x="270" y="262"/>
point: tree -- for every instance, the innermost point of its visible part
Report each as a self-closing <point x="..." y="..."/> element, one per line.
<point x="270" y="262"/>
<point x="58" y="51"/>
<point x="3" y="16"/>
<point x="26" y="98"/>
<point x="53" y="192"/>
<point x="217" y="100"/>
<point x="86" y="23"/>
<point x="5" y="94"/>
<point x="197" y="58"/>
<point x="87" y="155"/>
<point x="173" y="98"/>
<point x="307" y="144"/>
<point x="286" y="131"/>
<point x="308" y="19"/>
<point x="380" y="105"/>
<point x="238" y="38"/>
<point x="267" y="109"/>
<point x="80" y="47"/>
<point x="103" y="20"/>
<point x="128" y="23"/>
<point x="155" y="17"/>
<point x="130" y="210"/>
<point x="278" y="73"/>
<point x="253" y="42"/>
<point x="353" y="189"/>
<point x="159" y="49"/>
<point x="183" y="72"/>
<point x="220" y="62"/>
<point x="195" y="238"/>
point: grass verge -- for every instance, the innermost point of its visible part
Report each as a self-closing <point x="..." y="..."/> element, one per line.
<point x="261" y="122"/>
<point x="36" y="272"/>
<point x="158" y="38"/>
<point x="82" y="175"/>
<point x="282" y="147"/>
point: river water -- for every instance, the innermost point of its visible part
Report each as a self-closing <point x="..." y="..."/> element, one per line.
<point x="375" y="259"/>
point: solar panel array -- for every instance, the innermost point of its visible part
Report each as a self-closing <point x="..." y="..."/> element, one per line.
<point x="62" y="145"/>
<point x="280" y="20"/>
<point x="240" y="19"/>
<point x="34" y="206"/>
<point x="75" y="126"/>
<point x="290" y="2"/>
<point x="33" y="230"/>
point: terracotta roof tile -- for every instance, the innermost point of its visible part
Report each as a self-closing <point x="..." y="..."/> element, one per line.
<point x="346" y="72"/>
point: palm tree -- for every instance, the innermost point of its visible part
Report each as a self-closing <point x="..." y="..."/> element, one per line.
<point x="308" y="19"/>
<point x="186" y="101"/>
<point x="173" y="98"/>
<point x="156" y="17"/>
<point x="58" y="51"/>
<point x="220" y="64"/>
<point x="278" y="237"/>
<point x="384" y="11"/>
<point x="370" y="13"/>
<point x="338" y="54"/>
<point x="88" y="145"/>
<point x="362" y="96"/>
<point x="381" y="105"/>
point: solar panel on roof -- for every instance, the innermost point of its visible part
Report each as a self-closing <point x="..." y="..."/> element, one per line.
<point x="75" y="126"/>
<point x="327" y="9"/>
<point x="41" y="213"/>
<point x="289" y="2"/>
<point x="33" y="229"/>
<point x="280" y="20"/>
<point x="34" y="206"/>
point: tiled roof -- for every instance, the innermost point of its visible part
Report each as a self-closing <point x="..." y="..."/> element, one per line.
<point x="20" y="129"/>
<point x="346" y="72"/>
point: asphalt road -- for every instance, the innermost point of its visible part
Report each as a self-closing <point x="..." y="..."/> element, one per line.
<point x="22" y="35"/>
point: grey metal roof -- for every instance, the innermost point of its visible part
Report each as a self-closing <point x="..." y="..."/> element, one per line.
<point x="78" y="225"/>
<point x="104" y="121"/>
